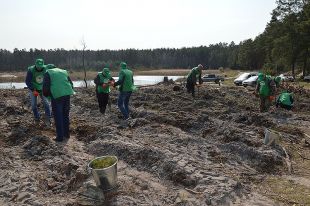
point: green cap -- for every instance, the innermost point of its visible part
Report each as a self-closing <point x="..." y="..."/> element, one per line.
<point x="106" y="72"/>
<point x="260" y="76"/>
<point x="50" y="66"/>
<point x="277" y="79"/>
<point x="39" y="63"/>
<point x="123" y="65"/>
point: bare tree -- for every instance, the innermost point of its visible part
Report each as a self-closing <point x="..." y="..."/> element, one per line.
<point x="83" y="43"/>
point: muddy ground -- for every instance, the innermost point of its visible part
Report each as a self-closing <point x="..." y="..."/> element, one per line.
<point x="174" y="150"/>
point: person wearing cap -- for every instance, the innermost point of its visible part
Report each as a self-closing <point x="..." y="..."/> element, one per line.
<point x="277" y="81"/>
<point x="50" y="66"/>
<point x="34" y="82"/>
<point x="58" y="86"/>
<point x="264" y="88"/>
<point x="126" y="87"/>
<point x="103" y="81"/>
<point x="192" y="77"/>
<point x="285" y="100"/>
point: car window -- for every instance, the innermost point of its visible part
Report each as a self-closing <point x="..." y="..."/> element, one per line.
<point x="244" y="75"/>
<point x="209" y="76"/>
<point x="253" y="78"/>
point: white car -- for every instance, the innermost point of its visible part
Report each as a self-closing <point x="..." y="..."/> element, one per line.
<point x="243" y="77"/>
<point x="286" y="78"/>
<point x="250" y="81"/>
<point x="307" y="78"/>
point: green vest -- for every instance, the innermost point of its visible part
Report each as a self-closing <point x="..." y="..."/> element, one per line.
<point x="60" y="86"/>
<point x="285" y="98"/>
<point x="194" y="72"/>
<point x="103" y="80"/>
<point x="127" y="85"/>
<point x="264" y="89"/>
<point x="37" y="77"/>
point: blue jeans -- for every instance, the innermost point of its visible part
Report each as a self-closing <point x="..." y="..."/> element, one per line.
<point x="61" y="108"/>
<point x="34" y="106"/>
<point x="122" y="102"/>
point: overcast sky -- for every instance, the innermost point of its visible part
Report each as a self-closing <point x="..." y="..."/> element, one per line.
<point x="121" y="24"/>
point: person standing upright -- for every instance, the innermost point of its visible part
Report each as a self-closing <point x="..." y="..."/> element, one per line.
<point x="192" y="77"/>
<point x="103" y="81"/>
<point x="34" y="82"/>
<point x="58" y="86"/>
<point x="126" y="87"/>
<point x="265" y="89"/>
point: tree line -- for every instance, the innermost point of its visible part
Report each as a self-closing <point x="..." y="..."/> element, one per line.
<point x="282" y="46"/>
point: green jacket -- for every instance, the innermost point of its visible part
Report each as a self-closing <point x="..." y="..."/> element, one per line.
<point x="286" y="99"/>
<point x="59" y="83"/>
<point x="265" y="86"/>
<point x="194" y="75"/>
<point x="103" y="78"/>
<point x="277" y="81"/>
<point x="37" y="77"/>
<point x="125" y="80"/>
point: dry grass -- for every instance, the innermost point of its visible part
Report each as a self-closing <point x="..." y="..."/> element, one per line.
<point x="79" y="75"/>
<point x="291" y="190"/>
<point x="306" y="85"/>
<point x="286" y="191"/>
<point x="20" y="77"/>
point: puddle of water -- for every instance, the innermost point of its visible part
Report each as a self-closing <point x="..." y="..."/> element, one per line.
<point x="139" y="81"/>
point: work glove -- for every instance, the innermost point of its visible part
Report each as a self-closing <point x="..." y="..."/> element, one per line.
<point x="104" y="86"/>
<point x="271" y="98"/>
<point x="35" y="93"/>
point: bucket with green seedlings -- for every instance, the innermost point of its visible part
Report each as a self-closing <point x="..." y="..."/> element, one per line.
<point x="104" y="171"/>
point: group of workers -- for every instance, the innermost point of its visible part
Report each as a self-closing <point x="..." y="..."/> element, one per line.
<point x="54" y="85"/>
<point x="125" y="85"/>
<point x="267" y="88"/>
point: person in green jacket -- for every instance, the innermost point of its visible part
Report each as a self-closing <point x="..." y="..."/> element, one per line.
<point x="278" y="81"/>
<point x="265" y="88"/>
<point x="58" y="86"/>
<point x="192" y="77"/>
<point x="50" y="66"/>
<point x="126" y="87"/>
<point x="103" y="81"/>
<point x="285" y="100"/>
<point x="34" y="82"/>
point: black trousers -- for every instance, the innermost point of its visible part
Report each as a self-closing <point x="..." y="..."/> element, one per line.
<point x="103" y="99"/>
<point x="264" y="103"/>
<point x="190" y="87"/>
<point x="61" y="109"/>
